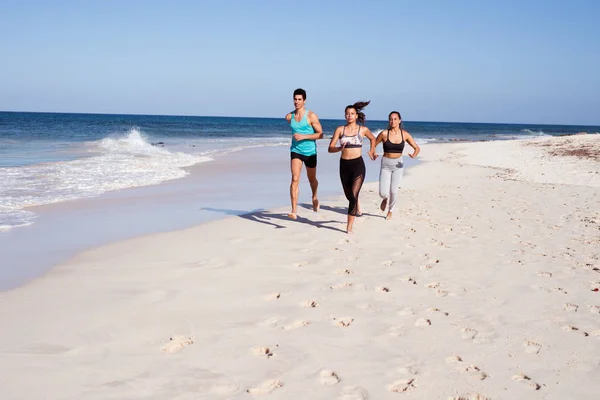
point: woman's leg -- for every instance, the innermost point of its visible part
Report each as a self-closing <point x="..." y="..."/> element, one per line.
<point x="396" y="180"/>
<point x="385" y="178"/>
<point x="358" y="175"/>
<point x="346" y="179"/>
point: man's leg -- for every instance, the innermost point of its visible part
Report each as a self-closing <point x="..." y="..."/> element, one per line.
<point x="295" y="167"/>
<point x="311" y="173"/>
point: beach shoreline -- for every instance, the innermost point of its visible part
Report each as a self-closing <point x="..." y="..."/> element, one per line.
<point x="205" y="194"/>
<point x="483" y="283"/>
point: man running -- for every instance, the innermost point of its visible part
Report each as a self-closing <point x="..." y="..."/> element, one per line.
<point x="306" y="129"/>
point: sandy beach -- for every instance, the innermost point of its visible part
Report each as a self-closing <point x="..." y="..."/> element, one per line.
<point x="485" y="284"/>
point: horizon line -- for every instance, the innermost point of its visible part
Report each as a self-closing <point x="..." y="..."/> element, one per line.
<point x="254" y="117"/>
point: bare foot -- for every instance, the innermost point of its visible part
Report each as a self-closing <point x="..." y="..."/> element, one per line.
<point x="383" y="205"/>
<point x="292" y="216"/>
<point x="388" y="216"/>
<point x="315" y="205"/>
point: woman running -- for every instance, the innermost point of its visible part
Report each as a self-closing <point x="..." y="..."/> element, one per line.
<point x="392" y="168"/>
<point x="352" y="165"/>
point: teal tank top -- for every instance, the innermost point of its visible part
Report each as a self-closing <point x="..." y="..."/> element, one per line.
<point x="303" y="147"/>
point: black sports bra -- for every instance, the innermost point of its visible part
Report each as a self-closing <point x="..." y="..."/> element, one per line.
<point x="389" y="147"/>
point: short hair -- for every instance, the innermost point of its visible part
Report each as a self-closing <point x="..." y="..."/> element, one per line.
<point x="300" y="92"/>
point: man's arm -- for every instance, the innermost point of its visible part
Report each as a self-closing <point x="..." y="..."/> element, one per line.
<point x="313" y="120"/>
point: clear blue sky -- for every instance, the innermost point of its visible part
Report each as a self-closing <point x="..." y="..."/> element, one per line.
<point x="448" y="60"/>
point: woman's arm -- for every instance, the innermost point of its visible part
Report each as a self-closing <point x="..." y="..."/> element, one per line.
<point x="381" y="137"/>
<point x="332" y="144"/>
<point x="409" y="139"/>
<point x="373" y="141"/>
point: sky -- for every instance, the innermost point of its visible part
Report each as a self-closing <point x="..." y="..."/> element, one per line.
<point x="457" y="61"/>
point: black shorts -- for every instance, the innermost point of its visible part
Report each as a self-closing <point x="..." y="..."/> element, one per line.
<point x="309" y="161"/>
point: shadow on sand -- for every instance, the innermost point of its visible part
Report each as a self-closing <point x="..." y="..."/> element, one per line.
<point x="339" y="210"/>
<point x="270" y="218"/>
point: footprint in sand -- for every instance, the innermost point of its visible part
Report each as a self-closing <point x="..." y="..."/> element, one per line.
<point x="421" y="322"/>
<point x="409" y="280"/>
<point x="475" y="372"/>
<point x="570" y="328"/>
<point x="382" y="289"/>
<point x="408" y="370"/>
<point x="521" y="377"/>
<point x="260" y="351"/>
<point x="266" y="387"/>
<point x="402" y="386"/>
<point x="591" y="267"/>
<point x="470" y="396"/>
<point x="328" y="378"/>
<point x="343" y="322"/>
<point x="345" y="285"/>
<point x="471" y="369"/>
<point x="425" y="267"/>
<point x="594" y="309"/>
<point x="343" y="271"/>
<point x="353" y="393"/>
<point x="176" y="343"/>
<point x="571" y="307"/>
<point x="309" y="304"/>
<point x="433" y="285"/>
<point x="436" y="310"/>
<point x="273" y="296"/>
<point x="468" y="333"/>
<point x="453" y="359"/>
<point x="532" y="347"/>
<point x="352" y="259"/>
<point x="301" y="264"/>
<point x="296" y="324"/>
<point x="543" y="274"/>
<point x="441" y="293"/>
<point x="387" y="263"/>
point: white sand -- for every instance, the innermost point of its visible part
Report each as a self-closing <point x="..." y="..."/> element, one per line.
<point x="481" y="284"/>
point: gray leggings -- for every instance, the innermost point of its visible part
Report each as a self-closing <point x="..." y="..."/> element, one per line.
<point x="390" y="177"/>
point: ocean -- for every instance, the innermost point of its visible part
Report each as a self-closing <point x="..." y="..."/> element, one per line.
<point x="48" y="158"/>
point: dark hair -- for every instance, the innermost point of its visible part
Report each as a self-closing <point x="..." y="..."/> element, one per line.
<point x="358" y="107"/>
<point x="399" y="117"/>
<point x="300" y="92"/>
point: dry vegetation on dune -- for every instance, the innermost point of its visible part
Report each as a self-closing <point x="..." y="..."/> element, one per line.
<point x="573" y="146"/>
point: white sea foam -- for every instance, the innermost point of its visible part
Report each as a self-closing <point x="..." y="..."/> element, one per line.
<point x="537" y="133"/>
<point x="117" y="162"/>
